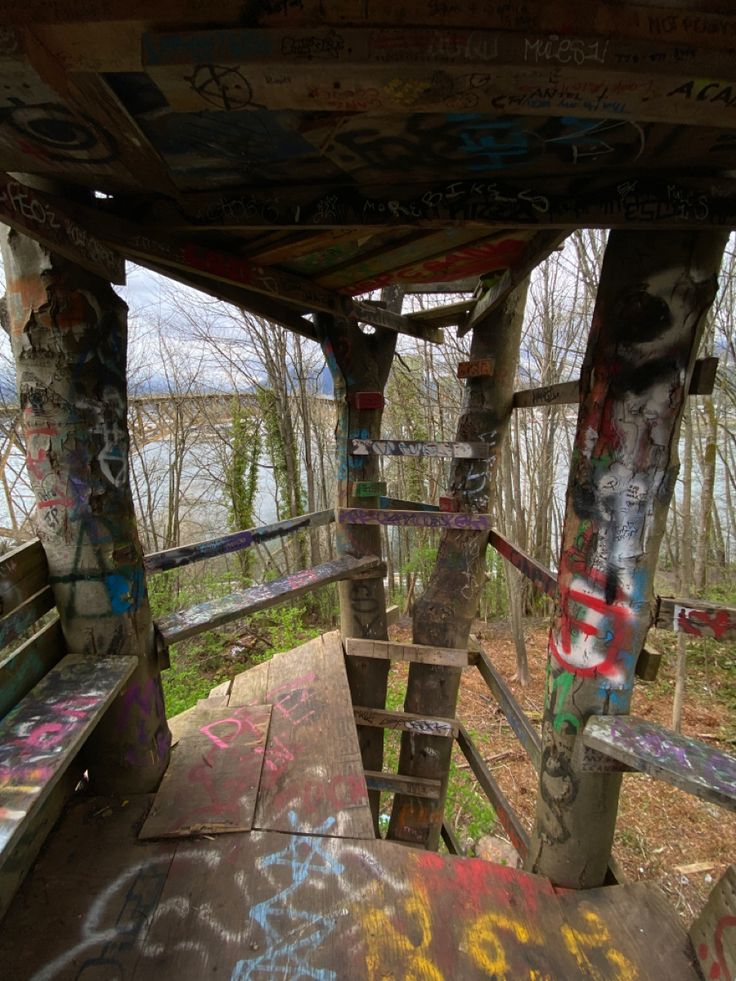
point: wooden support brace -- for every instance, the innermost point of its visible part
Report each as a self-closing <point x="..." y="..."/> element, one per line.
<point x="448" y="836"/>
<point x="648" y="664"/>
<point x="413" y="519"/>
<point x="399" y="504"/>
<point x="416" y="653"/>
<point x="515" y="715"/>
<point x="395" y="783"/>
<point x="415" y="447"/>
<point x="406" y="721"/>
<point x="506" y="815"/>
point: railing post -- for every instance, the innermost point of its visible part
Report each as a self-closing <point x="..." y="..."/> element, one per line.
<point x="360" y="362"/>
<point x="655" y="290"/>
<point x="68" y="332"/>
<point x="444" y="613"/>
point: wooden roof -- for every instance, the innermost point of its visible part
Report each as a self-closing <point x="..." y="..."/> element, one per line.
<point x="291" y="154"/>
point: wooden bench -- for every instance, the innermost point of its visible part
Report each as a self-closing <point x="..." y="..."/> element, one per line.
<point x="623" y="742"/>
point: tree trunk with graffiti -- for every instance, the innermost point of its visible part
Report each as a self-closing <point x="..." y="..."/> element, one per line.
<point x="360" y="363"/>
<point x="443" y="615"/>
<point x="654" y="293"/>
<point x="68" y="332"/>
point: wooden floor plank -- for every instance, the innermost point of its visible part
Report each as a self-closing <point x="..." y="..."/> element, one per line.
<point x="41" y="737"/>
<point x="312" y="780"/>
<point x="613" y="933"/>
<point x="94" y="889"/>
<point x="211" y="783"/>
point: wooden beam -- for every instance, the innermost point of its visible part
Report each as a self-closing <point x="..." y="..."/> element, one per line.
<point x="52" y="224"/>
<point x="445" y="316"/>
<point x="416" y="653"/>
<point x="414" y="519"/>
<point x="517" y="718"/>
<point x="406" y="721"/>
<point x="174" y="558"/>
<point x="506" y="815"/>
<point x="696" y="618"/>
<point x="23" y="572"/>
<point x="396" y="783"/>
<point x="24" y="667"/>
<point x="400" y="504"/>
<point x="568" y="393"/>
<point x="448" y="836"/>
<point x="215" y="613"/>
<point x="491" y="294"/>
<point x="417" y="447"/>
<point x="686" y="763"/>
<point x="537" y="204"/>
<point x="22" y="619"/>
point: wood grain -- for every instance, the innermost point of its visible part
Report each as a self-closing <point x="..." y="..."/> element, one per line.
<point x="419" y="653"/>
<point x="212" y="780"/>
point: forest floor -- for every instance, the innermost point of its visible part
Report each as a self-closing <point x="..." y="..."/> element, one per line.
<point x="663" y="835"/>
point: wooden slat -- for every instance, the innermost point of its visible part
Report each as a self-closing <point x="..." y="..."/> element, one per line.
<point x="414" y="519"/>
<point x="696" y="618"/>
<point x="23" y="572"/>
<point x="174" y="558"/>
<point x="28" y="211"/>
<point x="417" y="653"/>
<point x="41" y="737"/>
<point x="22" y="669"/>
<point x="517" y="718"/>
<point x="212" y="781"/>
<point x="22" y="619"/>
<point x="685" y="763"/>
<point x="406" y="721"/>
<point x="506" y="815"/>
<point x="714" y="931"/>
<point x="416" y="447"/>
<point x="395" y="783"/>
<point x="702" y="382"/>
<point x="444" y="316"/>
<point x="215" y="613"/>
<point x="312" y="780"/>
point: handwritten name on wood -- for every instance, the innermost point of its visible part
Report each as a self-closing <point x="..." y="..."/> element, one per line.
<point x="414" y="519"/>
<point x="482" y="368"/>
<point x="407" y="721"/>
<point x="31" y="212"/>
<point x="410" y="447"/>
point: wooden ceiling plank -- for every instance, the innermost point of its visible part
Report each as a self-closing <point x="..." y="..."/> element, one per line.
<point x="399" y="69"/>
<point x="636" y="21"/>
<point x="536" y="251"/>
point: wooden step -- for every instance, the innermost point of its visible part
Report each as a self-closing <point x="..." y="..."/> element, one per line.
<point x="417" y="447"/>
<point x="414" y="518"/>
<point x="645" y="746"/>
<point x="215" y="613"/>
<point x="449" y="657"/>
<point x="41" y="737"/>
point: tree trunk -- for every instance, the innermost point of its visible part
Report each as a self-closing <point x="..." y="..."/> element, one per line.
<point x="443" y="615"/>
<point x="360" y="363"/>
<point x="69" y="340"/>
<point x="655" y="291"/>
<point x="686" y="566"/>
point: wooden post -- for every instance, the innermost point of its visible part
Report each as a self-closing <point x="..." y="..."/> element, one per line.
<point x="360" y="363"/>
<point x="68" y="332"/>
<point x="655" y="290"/>
<point x="443" y="615"/>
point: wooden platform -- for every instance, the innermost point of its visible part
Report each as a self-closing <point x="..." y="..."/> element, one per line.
<point x="277" y="906"/>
